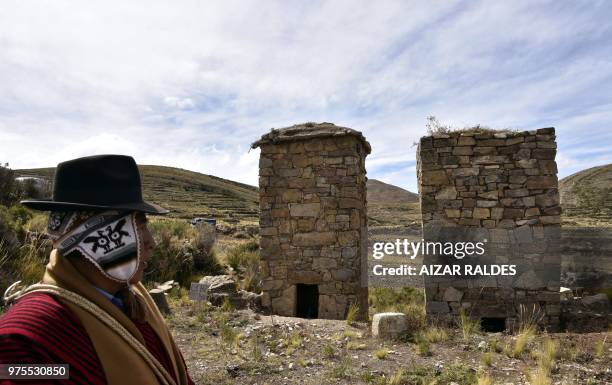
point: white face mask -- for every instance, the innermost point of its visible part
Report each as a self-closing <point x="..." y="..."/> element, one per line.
<point x="110" y="240"/>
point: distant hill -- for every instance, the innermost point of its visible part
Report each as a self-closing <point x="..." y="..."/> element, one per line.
<point x="389" y="205"/>
<point x="588" y="193"/>
<point x="188" y="193"/>
<point x="384" y="193"/>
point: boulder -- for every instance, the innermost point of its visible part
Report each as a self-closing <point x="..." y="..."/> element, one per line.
<point x="219" y="283"/>
<point x="389" y="325"/>
<point x="598" y="301"/>
<point x="159" y="297"/>
<point x="240" y="300"/>
<point x="167" y="286"/>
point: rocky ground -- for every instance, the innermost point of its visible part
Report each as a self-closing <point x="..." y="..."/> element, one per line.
<point x="225" y="346"/>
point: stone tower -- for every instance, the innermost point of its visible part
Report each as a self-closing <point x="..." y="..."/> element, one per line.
<point x="499" y="188"/>
<point x="313" y="223"/>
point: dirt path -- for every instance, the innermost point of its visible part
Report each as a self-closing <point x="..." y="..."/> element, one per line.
<point x="241" y="347"/>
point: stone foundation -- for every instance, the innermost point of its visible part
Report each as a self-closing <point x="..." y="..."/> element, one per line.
<point x="499" y="188"/>
<point x="313" y="222"/>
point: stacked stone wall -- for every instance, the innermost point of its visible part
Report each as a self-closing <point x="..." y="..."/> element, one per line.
<point x="313" y="222"/>
<point x="500" y="188"/>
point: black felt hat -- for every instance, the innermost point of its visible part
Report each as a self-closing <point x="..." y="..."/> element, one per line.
<point x="92" y="183"/>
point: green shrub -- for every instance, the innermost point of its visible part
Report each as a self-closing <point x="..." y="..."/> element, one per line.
<point x="239" y="255"/>
<point x="202" y="244"/>
<point x="182" y="251"/>
<point x="172" y="228"/>
<point x="32" y="258"/>
<point x="22" y="256"/>
<point x="171" y="258"/>
<point x="10" y="231"/>
<point x="383" y="299"/>
<point x="38" y="223"/>
<point x="20" y="215"/>
<point x="244" y="259"/>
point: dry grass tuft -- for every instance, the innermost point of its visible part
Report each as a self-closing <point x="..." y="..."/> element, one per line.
<point x="351" y="315"/>
<point x="397" y="378"/>
<point x="486" y="358"/>
<point x="484" y="379"/>
<point x="547" y="355"/>
<point x="353" y="345"/>
<point x="524" y="337"/>
<point x="600" y="348"/>
<point x="381" y="353"/>
<point x="539" y="377"/>
<point x="434" y="334"/>
<point x="468" y="326"/>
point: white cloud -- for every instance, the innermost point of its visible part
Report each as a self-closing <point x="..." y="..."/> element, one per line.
<point x="192" y="84"/>
<point x="180" y="103"/>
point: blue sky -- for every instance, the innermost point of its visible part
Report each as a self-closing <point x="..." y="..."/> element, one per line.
<point x="192" y="84"/>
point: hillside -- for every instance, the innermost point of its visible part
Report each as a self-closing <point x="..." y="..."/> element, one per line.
<point x="188" y="194"/>
<point x="588" y="193"/>
<point x="392" y="206"/>
<point x="384" y="193"/>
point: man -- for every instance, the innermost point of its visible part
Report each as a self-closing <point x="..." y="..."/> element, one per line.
<point x="90" y="310"/>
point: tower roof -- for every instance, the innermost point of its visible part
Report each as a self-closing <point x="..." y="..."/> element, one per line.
<point x="307" y="131"/>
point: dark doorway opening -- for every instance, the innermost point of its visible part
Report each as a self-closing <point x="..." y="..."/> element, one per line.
<point x="493" y="324"/>
<point x="307" y="305"/>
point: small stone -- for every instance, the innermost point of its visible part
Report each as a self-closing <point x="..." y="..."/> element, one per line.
<point x="314" y="239"/>
<point x="481" y="213"/>
<point x="389" y="325"/>
<point x="453" y="213"/>
<point x="481" y="203"/>
<point x="513" y="213"/>
<point x="462" y="151"/>
<point x="596" y="301"/>
<point x="472" y="171"/>
<point x="447" y="193"/>
<point x="489" y="195"/>
<point x="517" y="193"/>
<point x="304" y="209"/>
<point x="466" y="141"/>
<point x="529" y="280"/>
<point x="435" y="177"/>
<point x="541" y="182"/>
<point x="544" y="153"/>
<point x="452" y="295"/>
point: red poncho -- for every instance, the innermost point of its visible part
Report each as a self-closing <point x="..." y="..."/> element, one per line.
<point x="40" y="330"/>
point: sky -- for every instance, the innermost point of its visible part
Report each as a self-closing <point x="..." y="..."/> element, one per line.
<point x="192" y="84"/>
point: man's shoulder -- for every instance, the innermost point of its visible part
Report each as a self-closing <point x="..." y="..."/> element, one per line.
<point x="36" y="315"/>
<point x="38" y="328"/>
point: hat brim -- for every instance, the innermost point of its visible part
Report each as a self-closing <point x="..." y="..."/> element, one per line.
<point x="49" y="205"/>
